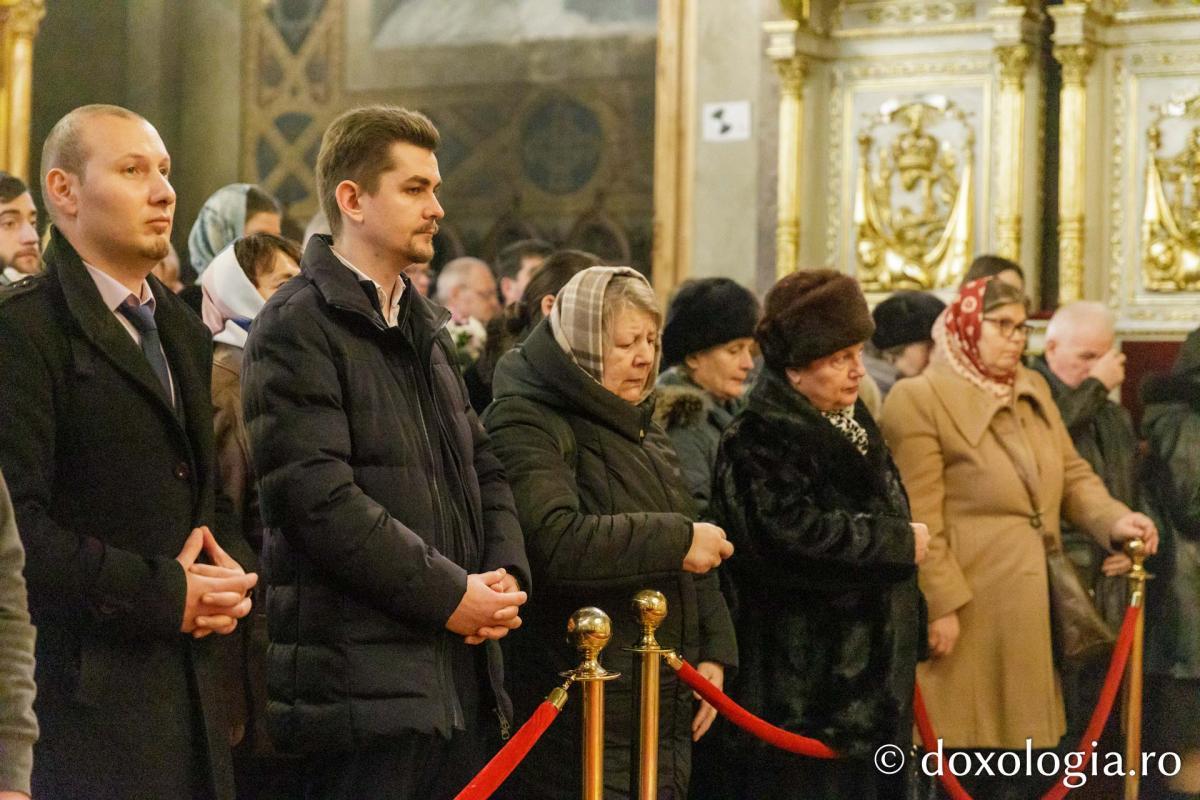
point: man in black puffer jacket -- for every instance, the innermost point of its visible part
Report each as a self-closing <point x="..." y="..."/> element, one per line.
<point x="393" y="546"/>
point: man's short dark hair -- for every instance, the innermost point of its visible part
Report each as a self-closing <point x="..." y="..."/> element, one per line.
<point x="356" y="147"/>
<point x="508" y="263"/>
<point x="260" y="201"/>
<point x="11" y="187"/>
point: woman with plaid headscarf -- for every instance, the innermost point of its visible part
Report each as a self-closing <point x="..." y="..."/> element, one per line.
<point x="605" y="514"/>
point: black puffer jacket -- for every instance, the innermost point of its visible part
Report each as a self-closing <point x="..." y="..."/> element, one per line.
<point x="605" y="514"/>
<point x="829" y="618"/>
<point x="380" y="493"/>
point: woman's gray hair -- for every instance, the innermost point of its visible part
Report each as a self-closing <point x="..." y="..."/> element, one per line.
<point x="625" y="292"/>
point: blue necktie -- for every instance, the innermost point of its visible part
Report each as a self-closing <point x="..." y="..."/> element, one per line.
<point x="142" y="319"/>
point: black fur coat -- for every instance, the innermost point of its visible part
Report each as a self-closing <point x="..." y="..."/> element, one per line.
<point x="830" y="621"/>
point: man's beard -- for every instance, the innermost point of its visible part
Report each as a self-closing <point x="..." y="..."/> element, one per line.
<point x="419" y="252"/>
<point x="26" y="263"/>
<point x="157" y="249"/>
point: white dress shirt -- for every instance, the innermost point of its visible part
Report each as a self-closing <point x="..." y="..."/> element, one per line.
<point x="391" y="313"/>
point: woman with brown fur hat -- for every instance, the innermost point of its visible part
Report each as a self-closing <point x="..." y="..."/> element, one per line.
<point x="807" y="492"/>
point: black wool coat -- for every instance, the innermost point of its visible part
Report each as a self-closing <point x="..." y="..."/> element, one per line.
<point x="1103" y="433"/>
<point x="380" y="493"/>
<point x="107" y="482"/>
<point x="830" y="621"/>
<point x="605" y="513"/>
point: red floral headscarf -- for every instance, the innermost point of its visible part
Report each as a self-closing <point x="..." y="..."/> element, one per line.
<point x="956" y="338"/>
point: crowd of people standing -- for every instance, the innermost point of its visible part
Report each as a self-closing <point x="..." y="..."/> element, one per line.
<point x="303" y="530"/>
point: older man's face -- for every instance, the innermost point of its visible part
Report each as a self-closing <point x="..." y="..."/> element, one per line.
<point x="1073" y="354"/>
<point x="477" y="295"/>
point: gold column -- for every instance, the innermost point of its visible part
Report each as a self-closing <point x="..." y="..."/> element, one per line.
<point x="792" y="74"/>
<point x="674" y="144"/>
<point x="590" y="630"/>
<point x="20" y="25"/>
<point x="650" y="607"/>
<point x="1014" y="63"/>
<point x="1076" y="59"/>
<point x="1136" y="550"/>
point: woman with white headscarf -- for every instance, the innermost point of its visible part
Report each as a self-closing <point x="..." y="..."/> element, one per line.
<point x="605" y="514"/>
<point x="236" y="285"/>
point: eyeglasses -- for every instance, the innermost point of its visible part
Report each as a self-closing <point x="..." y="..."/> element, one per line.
<point x="1008" y="327"/>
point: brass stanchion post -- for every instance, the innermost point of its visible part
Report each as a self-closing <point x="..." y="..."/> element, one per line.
<point x="590" y="630"/>
<point x="651" y="609"/>
<point x="1136" y="550"/>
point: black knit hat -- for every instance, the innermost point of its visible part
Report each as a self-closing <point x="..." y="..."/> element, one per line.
<point x="705" y="313"/>
<point x="811" y="314"/>
<point x="904" y="318"/>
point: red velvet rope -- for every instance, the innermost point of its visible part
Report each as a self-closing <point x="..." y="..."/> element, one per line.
<point x="503" y="763"/>
<point x="802" y="745"/>
<point x="772" y="735"/>
<point x="1108" y="695"/>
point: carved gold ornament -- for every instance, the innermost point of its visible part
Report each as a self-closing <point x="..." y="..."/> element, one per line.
<point x="914" y="197"/>
<point x="1171" y="217"/>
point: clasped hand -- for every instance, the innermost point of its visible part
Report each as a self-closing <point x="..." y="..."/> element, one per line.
<point x="489" y="609"/>
<point x="217" y="593"/>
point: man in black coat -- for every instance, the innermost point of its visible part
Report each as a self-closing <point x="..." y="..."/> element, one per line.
<point x="1083" y="365"/>
<point x="107" y="447"/>
<point x="393" y="547"/>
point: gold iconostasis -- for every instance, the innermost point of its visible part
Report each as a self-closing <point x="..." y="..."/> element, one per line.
<point x="927" y="131"/>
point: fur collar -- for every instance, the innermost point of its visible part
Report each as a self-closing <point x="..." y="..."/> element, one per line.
<point x="793" y="422"/>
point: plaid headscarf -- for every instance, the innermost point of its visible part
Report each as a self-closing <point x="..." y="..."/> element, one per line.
<point x="577" y="321"/>
<point x="956" y="340"/>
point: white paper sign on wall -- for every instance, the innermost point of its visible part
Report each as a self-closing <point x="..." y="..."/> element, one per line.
<point x="727" y="122"/>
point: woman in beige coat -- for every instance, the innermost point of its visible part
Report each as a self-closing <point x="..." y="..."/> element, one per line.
<point x="990" y="468"/>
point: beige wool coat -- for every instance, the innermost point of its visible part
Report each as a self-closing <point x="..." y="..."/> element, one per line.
<point x="987" y="561"/>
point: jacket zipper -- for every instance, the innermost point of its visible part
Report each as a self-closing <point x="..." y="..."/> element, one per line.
<point x="459" y="470"/>
<point x="445" y="675"/>
<point x="445" y="678"/>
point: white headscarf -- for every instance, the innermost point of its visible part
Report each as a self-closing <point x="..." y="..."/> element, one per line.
<point x="230" y="300"/>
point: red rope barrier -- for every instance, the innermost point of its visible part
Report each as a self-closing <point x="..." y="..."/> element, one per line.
<point x="772" y="735"/>
<point x="1112" y="682"/>
<point x="504" y="762"/>
<point x="802" y="745"/>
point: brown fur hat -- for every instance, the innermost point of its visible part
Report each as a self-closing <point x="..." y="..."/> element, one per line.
<point x="811" y="314"/>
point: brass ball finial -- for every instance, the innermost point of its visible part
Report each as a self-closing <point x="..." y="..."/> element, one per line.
<point x="1135" y="548"/>
<point x="590" y="630"/>
<point x="650" y="607"/>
